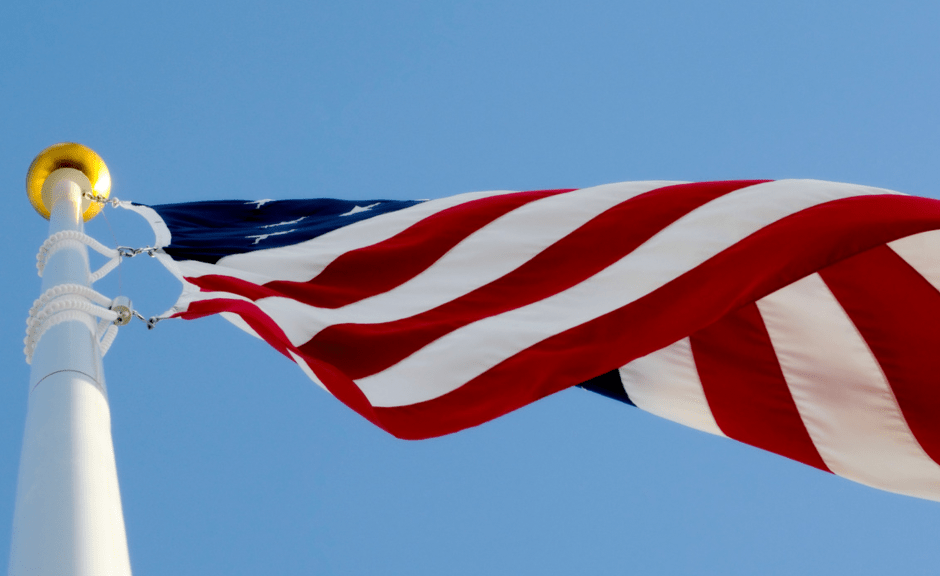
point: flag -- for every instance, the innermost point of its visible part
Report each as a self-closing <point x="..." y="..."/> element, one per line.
<point x="797" y="316"/>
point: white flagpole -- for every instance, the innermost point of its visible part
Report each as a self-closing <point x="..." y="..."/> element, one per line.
<point x="68" y="518"/>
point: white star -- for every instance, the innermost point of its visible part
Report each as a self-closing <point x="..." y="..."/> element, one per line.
<point x="358" y="209"/>
<point x="260" y="237"/>
<point x="283" y="223"/>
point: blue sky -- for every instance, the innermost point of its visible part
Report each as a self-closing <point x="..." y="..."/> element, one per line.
<point x="231" y="462"/>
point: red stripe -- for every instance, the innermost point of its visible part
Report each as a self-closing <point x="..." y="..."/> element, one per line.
<point x="231" y="285"/>
<point x="745" y="387"/>
<point x="766" y="261"/>
<point x="359" y="274"/>
<point x="594" y="246"/>
<point x="897" y="312"/>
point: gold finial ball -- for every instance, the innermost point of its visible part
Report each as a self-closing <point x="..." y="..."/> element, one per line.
<point x="68" y="155"/>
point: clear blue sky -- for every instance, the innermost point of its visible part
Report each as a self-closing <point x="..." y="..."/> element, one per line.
<point x="232" y="462"/>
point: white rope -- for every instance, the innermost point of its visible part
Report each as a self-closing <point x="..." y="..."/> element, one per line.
<point x="71" y="303"/>
<point x="77" y="302"/>
<point x="57" y="306"/>
<point x="108" y="338"/>
<point x="32" y="338"/>
<point x="72" y="238"/>
<point x="63" y="289"/>
<point x="104" y="270"/>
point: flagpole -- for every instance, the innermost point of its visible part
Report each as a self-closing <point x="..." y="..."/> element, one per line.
<point x="68" y="517"/>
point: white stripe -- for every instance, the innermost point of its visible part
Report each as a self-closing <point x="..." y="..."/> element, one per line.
<point x="922" y="252"/>
<point x="489" y="253"/>
<point x="306" y="369"/>
<point x="666" y="383"/>
<point x="677" y="248"/>
<point x="842" y="394"/>
<point x="240" y="323"/>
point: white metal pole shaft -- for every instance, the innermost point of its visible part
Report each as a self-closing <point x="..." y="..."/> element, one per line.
<point x="68" y="518"/>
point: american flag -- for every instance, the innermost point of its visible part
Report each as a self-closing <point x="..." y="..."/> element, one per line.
<point x="798" y="316"/>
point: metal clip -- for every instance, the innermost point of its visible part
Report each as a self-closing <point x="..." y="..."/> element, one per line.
<point x="94" y="197"/>
<point x="128" y="252"/>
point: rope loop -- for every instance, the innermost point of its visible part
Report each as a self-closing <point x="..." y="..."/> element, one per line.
<point x="72" y="239"/>
<point x="65" y="303"/>
<point x="79" y="302"/>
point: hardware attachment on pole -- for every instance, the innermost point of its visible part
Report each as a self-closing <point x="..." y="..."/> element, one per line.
<point x="75" y="162"/>
<point x="122" y="305"/>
